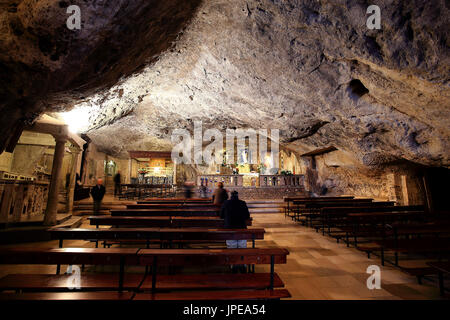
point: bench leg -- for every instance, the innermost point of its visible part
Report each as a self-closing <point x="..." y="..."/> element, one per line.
<point x="154" y="267"/>
<point x="272" y="267"/>
<point x="58" y="267"/>
<point x="121" y="273"/>
<point x="441" y="283"/>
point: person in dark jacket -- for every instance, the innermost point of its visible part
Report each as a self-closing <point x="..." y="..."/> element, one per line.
<point x="117" y="184"/>
<point x="235" y="213"/>
<point x="97" y="193"/>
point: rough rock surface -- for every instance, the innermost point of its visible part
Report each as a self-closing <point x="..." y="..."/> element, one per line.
<point x="310" y="68"/>
<point x="44" y="66"/>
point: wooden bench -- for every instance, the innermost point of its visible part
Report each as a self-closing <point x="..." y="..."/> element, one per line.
<point x="73" y="256"/>
<point x="59" y="282"/>
<point x="194" y="206"/>
<point x="175" y="200"/>
<point x="217" y="295"/>
<point x="254" y="286"/>
<point x="209" y="212"/>
<point x="289" y="200"/>
<point x="160" y="234"/>
<point x="313" y="207"/>
<point x="195" y="257"/>
<point x="329" y="216"/>
<point x="161" y="222"/>
<point x="442" y="268"/>
<point x="67" y="296"/>
<point x="416" y="245"/>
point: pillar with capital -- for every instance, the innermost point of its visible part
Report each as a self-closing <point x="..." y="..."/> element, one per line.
<point x="53" y="193"/>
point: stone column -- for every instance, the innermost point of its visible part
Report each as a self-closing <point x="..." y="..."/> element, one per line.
<point x="73" y="173"/>
<point x="130" y="167"/>
<point x="53" y="193"/>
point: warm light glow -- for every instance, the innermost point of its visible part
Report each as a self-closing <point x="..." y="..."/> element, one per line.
<point x="268" y="161"/>
<point x="157" y="169"/>
<point x="76" y="119"/>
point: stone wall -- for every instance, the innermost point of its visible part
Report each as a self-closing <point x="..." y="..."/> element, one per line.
<point x="268" y="193"/>
<point x="340" y="174"/>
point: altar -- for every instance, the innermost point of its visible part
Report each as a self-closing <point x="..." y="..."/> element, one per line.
<point x="151" y="168"/>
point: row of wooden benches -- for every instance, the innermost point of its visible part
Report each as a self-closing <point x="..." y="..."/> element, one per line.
<point x="224" y="286"/>
<point x="383" y="229"/>
<point x="172" y="222"/>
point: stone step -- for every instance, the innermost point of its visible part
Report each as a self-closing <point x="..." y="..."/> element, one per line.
<point x="265" y="210"/>
<point x="264" y="205"/>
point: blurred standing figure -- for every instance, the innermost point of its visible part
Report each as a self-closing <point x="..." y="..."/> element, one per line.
<point x="203" y="191"/>
<point x="97" y="193"/>
<point x="220" y="194"/>
<point x="188" y="186"/>
<point x="117" y="182"/>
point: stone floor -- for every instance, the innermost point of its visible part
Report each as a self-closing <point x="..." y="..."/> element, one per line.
<point x="317" y="267"/>
<point x="320" y="268"/>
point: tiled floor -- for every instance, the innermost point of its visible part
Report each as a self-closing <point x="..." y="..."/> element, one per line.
<point x="320" y="268"/>
<point x="317" y="267"/>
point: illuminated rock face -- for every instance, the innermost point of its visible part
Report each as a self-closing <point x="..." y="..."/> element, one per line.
<point x="310" y="68"/>
<point x="44" y="66"/>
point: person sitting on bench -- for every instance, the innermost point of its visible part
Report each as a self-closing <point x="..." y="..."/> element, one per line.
<point x="235" y="214"/>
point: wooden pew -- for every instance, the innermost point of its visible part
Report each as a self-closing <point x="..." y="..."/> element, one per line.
<point x="59" y="282"/>
<point x="160" y="234"/>
<point x="289" y="200"/>
<point x="313" y="209"/>
<point x="346" y="218"/>
<point x="159" y="222"/>
<point x="434" y="245"/>
<point x="175" y="200"/>
<point x="192" y="257"/>
<point x="442" y="268"/>
<point x="73" y="256"/>
<point x="67" y="296"/>
<point x="372" y="224"/>
<point x="234" y="283"/>
<point x="194" y="206"/>
<point x="216" y="295"/>
<point x="210" y="212"/>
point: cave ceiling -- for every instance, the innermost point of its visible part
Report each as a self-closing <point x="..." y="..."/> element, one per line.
<point x="312" y="69"/>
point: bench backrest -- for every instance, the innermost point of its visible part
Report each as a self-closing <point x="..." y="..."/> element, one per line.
<point x="71" y="256"/>
<point x="195" y="206"/>
<point x="350" y="204"/>
<point x="188" y="257"/>
<point x="169" y="257"/>
<point x="161" y="222"/>
<point x="346" y="210"/>
<point x="287" y="199"/>
<point x="329" y="202"/>
<point x="157" y="234"/>
<point x="166" y="212"/>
